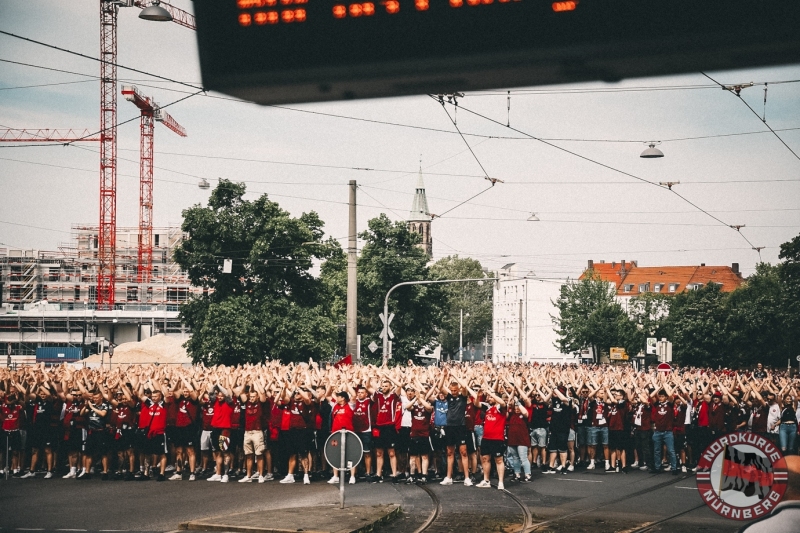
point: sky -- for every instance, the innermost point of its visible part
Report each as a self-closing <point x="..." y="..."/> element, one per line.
<point x="303" y="155"/>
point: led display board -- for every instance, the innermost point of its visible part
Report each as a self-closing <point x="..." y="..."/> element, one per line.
<point x="277" y="51"/>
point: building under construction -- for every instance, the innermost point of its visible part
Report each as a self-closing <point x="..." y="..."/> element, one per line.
<point x="50" y="298"/>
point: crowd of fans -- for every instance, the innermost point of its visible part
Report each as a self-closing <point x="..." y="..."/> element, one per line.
<point x="456" y="423"/>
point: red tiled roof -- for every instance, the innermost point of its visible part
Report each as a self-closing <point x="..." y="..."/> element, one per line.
<point x="633" y="277"/>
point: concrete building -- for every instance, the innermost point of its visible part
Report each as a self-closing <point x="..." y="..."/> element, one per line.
<point x="49" y="298"/>
<point x="522" y="327"/>
<point x="420" y="219"/>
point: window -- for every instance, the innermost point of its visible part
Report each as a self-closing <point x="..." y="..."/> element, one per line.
<point x="93" y="293"/>
<point x="156" y="239"/>
<point x="133" y="294"/>
<point x="177" y="294"/>
<point x="77" y="292"/>
<point x="673" y="287"/>
<point x="694" y="286"/>
<point x="627" y="288"/>
<point x="657" y="287"/>
<point x="644" y="287"/>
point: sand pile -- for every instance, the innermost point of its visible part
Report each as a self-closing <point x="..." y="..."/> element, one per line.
<point x="156" y="349"/>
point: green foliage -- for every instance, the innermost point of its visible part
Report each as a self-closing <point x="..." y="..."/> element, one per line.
<point x="789" y="273"/>
<point x="389" y="256"/>
<point x="589" y="316"/>
<point x="696" y="327"/>
<point x="474" y="299"/>
<point x="648" y="312"/>
<point x="270" y="305"/>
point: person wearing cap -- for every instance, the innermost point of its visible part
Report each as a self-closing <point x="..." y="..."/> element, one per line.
<point x="342" y="418"/>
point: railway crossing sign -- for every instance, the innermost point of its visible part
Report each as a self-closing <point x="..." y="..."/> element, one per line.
<point x="386" y="329"/>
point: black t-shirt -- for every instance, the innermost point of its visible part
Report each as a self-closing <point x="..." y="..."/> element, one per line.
<point x="539" y="415"/>
<point x="95" y="420"/>
<point x="561" y="418"/>
<point x="40" y="412"/>
<point x="456" y="410"/>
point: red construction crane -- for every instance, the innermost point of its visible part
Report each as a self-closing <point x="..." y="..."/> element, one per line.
<point x="150" y="111"/>
<point x="107" y="231"/>
<point x="46" y="135"/>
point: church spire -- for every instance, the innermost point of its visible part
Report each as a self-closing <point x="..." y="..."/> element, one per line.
<point x="420" y="219"/>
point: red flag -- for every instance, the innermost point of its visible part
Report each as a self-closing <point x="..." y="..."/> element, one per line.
<point x="344" y="361"/>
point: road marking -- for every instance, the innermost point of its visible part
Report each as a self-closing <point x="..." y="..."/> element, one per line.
<point x="584" y="480"/>
<point x="30" y="529"/>
<point x="690" y="488"/>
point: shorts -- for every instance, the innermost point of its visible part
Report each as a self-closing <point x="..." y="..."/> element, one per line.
<point x="74" y="439"/>
<point x="493" y="448"/>
<point x="205" y="441"/>
<point x="582" y="435"/>
<point x="558" y="441"/>
<point x="598" y="436"/>
<point x="539" y="437"/>
<point x="438" y="439"/>
<point x="572" y="435"/>
<point x="366" y="440"/>
<point x="221" y="440"/>
<point x="419" y="446"/>
<point x="267" y="433"/>
<point x="40" y="438"/>
<point x="386" y="439"/>
<point x="471" y="446"/>
<point x="455" y="435"/>
<point x="298" y="441"/>
<point x="97" y="442"/>
<point x="478" y="431"/>
<point x="14" y="440"/>
<point x="237" y="439"/>
<point x="156" y="445"/>
<point x="320" y="438"/>
<point x="140" y="439"/>
<point x="254" y="442"/>
<point x="403" y="439"/>
<point x="122" y="439"/>
<point x="185" y="436"/>
<point x="681" y="442"/>
<point x="616" y="439"/>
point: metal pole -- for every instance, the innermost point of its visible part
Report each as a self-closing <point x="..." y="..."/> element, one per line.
<point x="7" y="452"/>
<point x="461" y="337"/>
<point x="342" y="470"/>
<point x="386" y="303"/>
<point x="352" y="279"/>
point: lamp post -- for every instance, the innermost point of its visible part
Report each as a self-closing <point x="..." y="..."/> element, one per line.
<point x="431" y="282"/>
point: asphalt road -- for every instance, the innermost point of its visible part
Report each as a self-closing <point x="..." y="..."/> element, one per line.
<point x="587" y="501"/>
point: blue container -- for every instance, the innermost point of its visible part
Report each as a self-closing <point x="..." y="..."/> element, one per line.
<point x="58" y="353"/>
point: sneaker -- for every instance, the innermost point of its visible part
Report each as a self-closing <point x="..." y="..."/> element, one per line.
<point x="160" y="477"/>
<point x="176" y="476"/>
<point x="410" y="480"/>
<point x="269" y="477"/>
<point x="48" y="475"/>
<point x="422" y="480"/>
<point x="83" y="475"/>
<point x="683" y="469"/>
<point x="255" y="476"/>
<point x="500" y="486"/>
<point x="608" y="466"/>
<point x="224" y="479"/>
<point x="635" y="464"/>
<point x="333" y="480"/>
<point x="447" y="481"/>
<point x="570" y="468"/>
<point x="352" y="480"/>
<point x="28" y="474"/>
<point x="246" y="479"/>
<point x="591" y="466"/>
<point x="169" y="468"/>
<point x="215" y="477"/>
<point x="192" y="477"/>
<point x="288" y="479"/>
<point x="467" y="482"/>
<point x="484" y="484"/>
<point x="549" y="471"/>
<point x="306" y="480"/>
<point x="559" y="468"/>
<point x="526" y="479"/>
<point x="643" y="467"/>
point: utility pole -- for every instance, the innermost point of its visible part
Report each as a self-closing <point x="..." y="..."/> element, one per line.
<point x="461" y="337"/>
<point x="352" y="279"/>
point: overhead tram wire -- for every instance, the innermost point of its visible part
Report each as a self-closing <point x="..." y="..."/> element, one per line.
<point x="763" y="121"/>
<point x="585" y="158"/>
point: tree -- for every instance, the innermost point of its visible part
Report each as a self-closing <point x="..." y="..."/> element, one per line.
<point x="789" y="273"/>
<point x="390" y="255"/>
<point x="648" y="312"/>
<point x="270" y="305"/>
<point x="696" y="325"/>
<point x="589" y="316"/>
<point x="470" y="297"/>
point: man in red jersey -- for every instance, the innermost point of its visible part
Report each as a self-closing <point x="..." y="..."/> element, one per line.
<point x="598" y="430"/>
<point x="12" y="413"/>
<point x="617" y="439"/>
<point x="300" y="433"/>
<point x="419" y="447"/>
<point x="362" y="425"/>
<point x="122" y="422"/>
<point x="184" y="432"/>
<point x="342" y="418"/>
<point x="222" y="405"/>
<point x="255" y="403"/>
<point x="156" y="443"/>
<point x="493" y="442"/>
<point x="663" y="415"/>
<point x="74" y="428"/>
<point x="384" y="434"/>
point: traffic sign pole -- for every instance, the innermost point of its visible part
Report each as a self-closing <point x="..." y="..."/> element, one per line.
<point x="343" y="470"/>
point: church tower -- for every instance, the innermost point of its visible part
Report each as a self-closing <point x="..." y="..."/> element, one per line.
<point x="420" y="219"/>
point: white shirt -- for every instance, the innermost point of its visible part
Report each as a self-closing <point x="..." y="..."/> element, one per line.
<point x="773" y="418"/>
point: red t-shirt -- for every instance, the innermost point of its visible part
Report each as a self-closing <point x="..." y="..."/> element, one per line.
<point x="663" y="416"/>
<point x="12" y="416"/>
<point x="185" y="412"/>
<point x="122" y="415"/>
<point x="760" y="416"/>
<point x="207" y="410"/>
<point x="471" y="414"/>
<point x="300" y="415"/>
<point x="494" y="423"/>
<point x="420" y="421"/>
<point x="221" y="416"/>
<point x="341" y="417"/>
<point x="158" y="418"/>
<point x="598" y="413"/>
<point x="362" y="420"/>
<point x="616" y="415"/>
<point x="702" y="414"/>
<point x="236" y="414"/>
<point x="716" y="416"/>
<point x="387" y="408"/>
<point x="518" y="434"/>
<point x="641" y="417"/>
<point x="679" y="420"/>
<point x="254" y="416"/>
